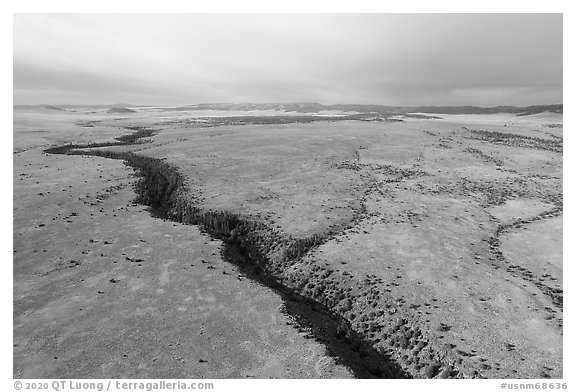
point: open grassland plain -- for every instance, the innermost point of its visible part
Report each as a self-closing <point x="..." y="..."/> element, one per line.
<point x="423" y="245"/>
<point x="102" y="289"/>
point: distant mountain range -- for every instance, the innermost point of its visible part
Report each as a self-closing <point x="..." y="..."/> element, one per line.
<point x="314" y="107"/>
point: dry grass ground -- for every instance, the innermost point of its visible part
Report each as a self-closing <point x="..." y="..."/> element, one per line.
<point x="453" y="230"/>
<point x="102" y="289"/>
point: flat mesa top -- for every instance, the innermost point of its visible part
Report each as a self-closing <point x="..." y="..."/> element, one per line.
<point x="453" y="222"/>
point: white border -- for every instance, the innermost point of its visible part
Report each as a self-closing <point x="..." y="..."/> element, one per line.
<point x="262" y="6"/>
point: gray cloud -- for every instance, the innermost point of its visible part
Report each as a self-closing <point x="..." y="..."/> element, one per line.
<point x="396" y="59"/>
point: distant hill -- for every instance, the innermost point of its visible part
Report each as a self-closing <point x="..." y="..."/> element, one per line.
<point x="540" y="109"/>
<point x="120" y="110"/>
<point x="420" y="116"/>
<point x="38" y="107"/>
<point x="492" y="110"/>
<point x="52" y="107"/>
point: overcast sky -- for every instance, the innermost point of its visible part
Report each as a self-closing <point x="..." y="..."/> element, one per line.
<point x="390" y="59"/>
